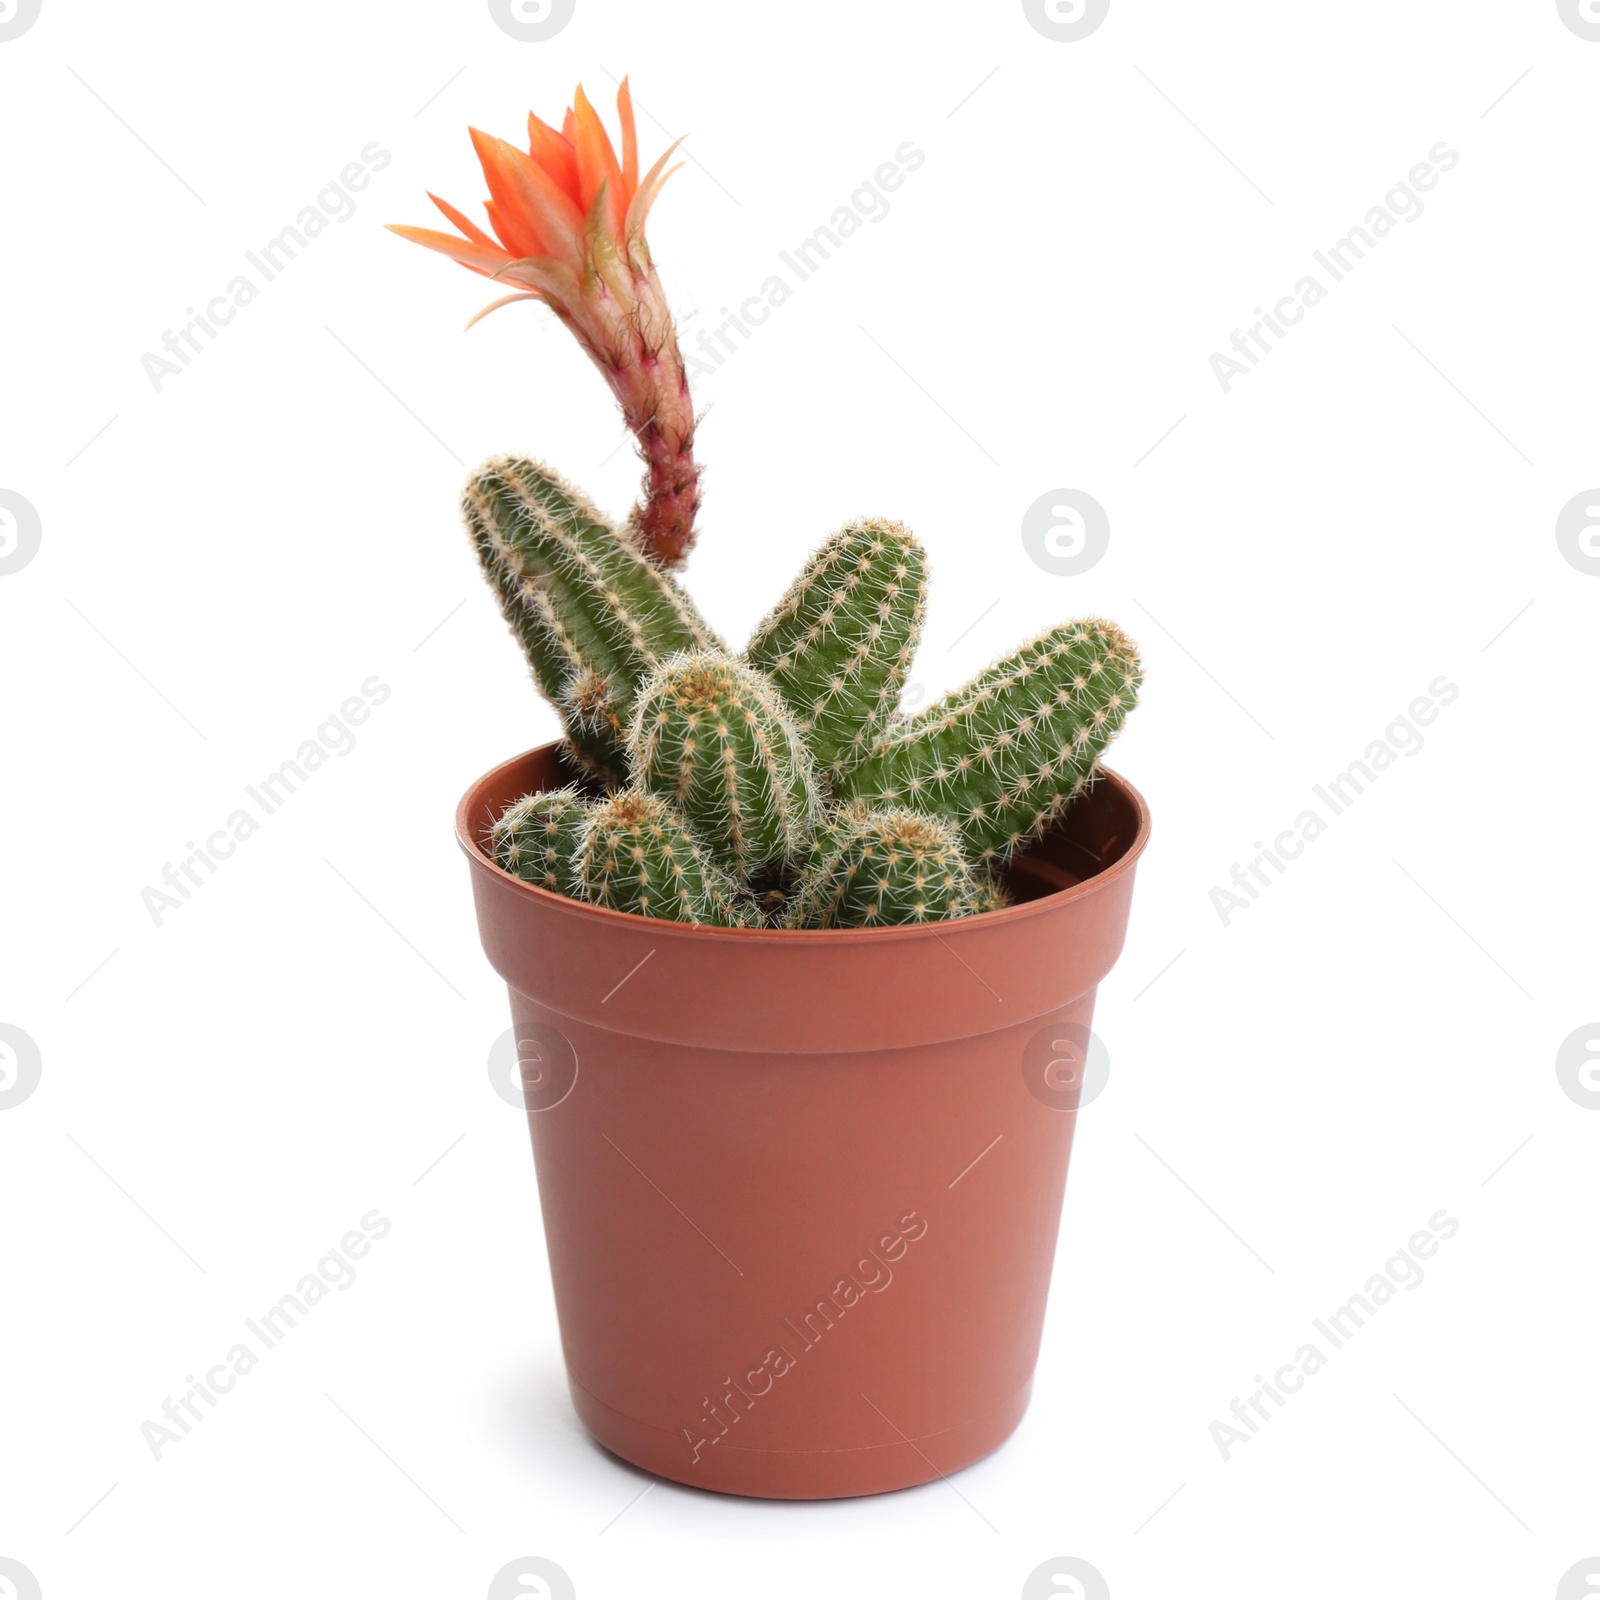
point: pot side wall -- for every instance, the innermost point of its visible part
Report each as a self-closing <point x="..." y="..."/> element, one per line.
<point x="800" y="1199"/>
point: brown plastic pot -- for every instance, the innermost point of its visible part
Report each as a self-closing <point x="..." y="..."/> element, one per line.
<point x="801" y="1189"/>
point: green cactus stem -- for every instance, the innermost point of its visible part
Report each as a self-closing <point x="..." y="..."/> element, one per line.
<point x="886" y="867"/>
<point x="636" y="854"/>
<point x="714" y="737"/>
<point x="992" y="895"/>
<point x="830" y="830"/>
<point x="537" y="837"/>
<point x="594" y="617"/>
<point x="1003" y="756"/>
<point x="774" y="890"/>
<point x="840" y="642"/>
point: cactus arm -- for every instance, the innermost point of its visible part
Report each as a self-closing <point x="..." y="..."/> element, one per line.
<point x="536" y="838"/>
<point x="712" y="736"/>
<point x="885" y="868"/>
<point x="840" y="642"/>
<point x="1002" y="756"/>
<point x="992" y="894"/>
<point x="594" y="733"/>
<point x="582" y="601"/>
<point x="635" y="853"/>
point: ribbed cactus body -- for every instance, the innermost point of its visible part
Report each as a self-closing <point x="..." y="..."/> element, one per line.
<point x="636" y="854"/>
<point x="713" y="736"/>
<point x="833" y="824"/>
<point x="537" y="837"/>
<point x="593" y="616"/>
<point x="1001" y="757"/>
<point x="886" y="867"/>
<point x="839" y="644"/>
<point x="992" y="894"/>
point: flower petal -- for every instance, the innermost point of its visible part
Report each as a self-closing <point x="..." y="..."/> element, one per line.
<point x="518" y="232"/>
<point x="486" y="259"/>
<point x="597" y="162"/>
<point x="504" y="300"/>
<point x="513" y="241"/>
<point x="630" y="143"/>
<point x="530" y="202"/>
<point x="465" y="224"/>
<point x="553" y="151"/>
<point x="649" y="188"/>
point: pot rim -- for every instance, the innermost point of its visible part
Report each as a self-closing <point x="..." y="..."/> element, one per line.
<point x="467" y="837"/>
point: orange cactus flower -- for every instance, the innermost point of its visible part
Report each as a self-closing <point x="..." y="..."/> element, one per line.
<point x="568" y="220"/>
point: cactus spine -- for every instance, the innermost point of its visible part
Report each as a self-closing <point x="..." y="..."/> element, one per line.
<point x="992" y="895"/>
<point x="886" y="867"/>
<point x="635" y="854"/>
<point x="537" y="837"/>
<point x="712" y="736"/>
<point x="593" y="616"/>
<point x="1002" y="757"/>
<point x="839" y="644"/>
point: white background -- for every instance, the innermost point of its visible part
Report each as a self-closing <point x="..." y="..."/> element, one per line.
<point x="1291" y="1096"/>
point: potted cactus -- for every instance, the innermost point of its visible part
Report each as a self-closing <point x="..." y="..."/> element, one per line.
<point x="799" y="982"/>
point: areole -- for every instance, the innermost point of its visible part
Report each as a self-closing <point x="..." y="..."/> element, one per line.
<point x="801" y="1201"/>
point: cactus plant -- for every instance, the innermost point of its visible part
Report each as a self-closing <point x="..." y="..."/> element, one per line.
<point x="891" y="866"/>
<point x="636" y="854"/>
<point x="780" y="788"/>
<point x="915" y="832"/>
<point x="712" y="735"/>
<point x="840" y="643"/>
